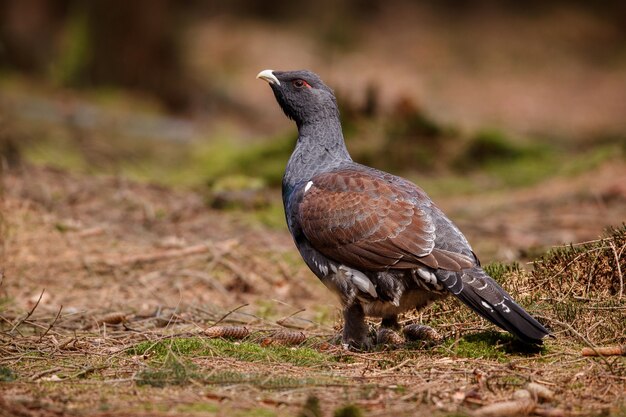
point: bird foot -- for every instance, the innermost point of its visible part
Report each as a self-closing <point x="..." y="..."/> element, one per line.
<point x="358" y="346"/>
<point x="361" y="343"/>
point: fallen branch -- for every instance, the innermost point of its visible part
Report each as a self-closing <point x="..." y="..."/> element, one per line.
<point x="539" y="391"/>
<point x="583" y="338"/>
<point x="226" y="315"/>
<point x="619" y="268"/>
<point x="44" y="373"/>
<point x="553" y="412"/>
<point x="605" y="351"/>
<point x="30" y="313"/>
<point x="522" y="406"/>
<point x="51" y="324"/>
<point x="283" y="321"/>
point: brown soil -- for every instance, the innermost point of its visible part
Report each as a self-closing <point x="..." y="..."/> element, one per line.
<point x="157" y="263"/>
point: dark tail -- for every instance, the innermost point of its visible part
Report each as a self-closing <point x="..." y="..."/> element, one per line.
<point x="483" y="295"/>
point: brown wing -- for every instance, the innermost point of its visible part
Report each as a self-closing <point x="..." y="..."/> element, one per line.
<point x="368" y="222"/>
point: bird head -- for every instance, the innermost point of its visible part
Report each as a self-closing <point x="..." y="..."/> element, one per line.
<point x="302" y="95"/>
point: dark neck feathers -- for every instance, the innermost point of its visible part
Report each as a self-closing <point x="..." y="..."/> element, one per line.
<point x="320" y="148"/>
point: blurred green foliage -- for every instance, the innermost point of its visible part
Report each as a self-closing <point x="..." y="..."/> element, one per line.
<point x="74" y="52"/>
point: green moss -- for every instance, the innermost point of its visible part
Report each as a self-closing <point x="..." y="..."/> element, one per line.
<point x="6" y="374"/>
<point x="268" y="160"/>
<point x="265" y="309"/>
<point x="478" y="347"/>
<point x="350" y="410"/>
<point x="511" y="381"/>
<point x="173" y="372"/>
<point x="311" y="407"/>
<point x="255" y="412"/>
<point x="56" y="151"/>
<point x="585" y="269"/>
<point x="198" y="408"/>
<point x="159" y="350"/>
<point x="508" y="162"/>
<point x="272" y="216"/>
<point x="262" y="380"/>
<point x="245" y="351"/>
<point x="75" y="50"/>
<point x="524" y="171"/>
<point x="499" y="271"/>
<point x="488" y="345"/>
<point x="488" y="146"/>
<point x="593" y="158"/>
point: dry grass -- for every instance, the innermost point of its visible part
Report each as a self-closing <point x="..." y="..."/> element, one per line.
<point x="114" y="291"/>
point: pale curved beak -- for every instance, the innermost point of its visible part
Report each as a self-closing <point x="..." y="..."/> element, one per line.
<point x="268" y="75"/>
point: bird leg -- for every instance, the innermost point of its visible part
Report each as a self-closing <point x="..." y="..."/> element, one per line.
<point x="390" y="322"/>
<point x="354" y="329"/>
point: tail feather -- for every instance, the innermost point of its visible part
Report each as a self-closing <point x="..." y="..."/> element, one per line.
<point x="483" y="295"/>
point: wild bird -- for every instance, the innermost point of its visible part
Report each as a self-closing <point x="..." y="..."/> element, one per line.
<point x="375" y="239"/>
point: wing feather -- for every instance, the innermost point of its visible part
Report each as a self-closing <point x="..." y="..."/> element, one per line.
<point x="367" y="221"/>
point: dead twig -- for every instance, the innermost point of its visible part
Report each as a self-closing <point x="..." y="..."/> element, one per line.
<point x="554" y="412"/>
<point x="507" y="408"/>
<point x="539" y="391"/>
<point x="282" y="321"/>
<point x="619" y="268"/>
<point x="227" y="314"/>
<point x="44" y="373"/>
<point x="51" y="324"/>
<point x="30" y="313"/>
<point x="86" y="371"/>
<point x="396" y="367"/>
<point x="583" y="338"/>
<point x="605" y="351"/>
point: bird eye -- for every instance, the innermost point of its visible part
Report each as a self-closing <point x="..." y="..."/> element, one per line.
<point x="300" y="83"/>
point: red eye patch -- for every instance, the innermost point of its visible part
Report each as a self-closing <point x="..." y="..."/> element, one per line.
<point x="300" y="84"/>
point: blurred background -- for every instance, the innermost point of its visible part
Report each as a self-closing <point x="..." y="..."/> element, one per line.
<point x="475" y="100"/>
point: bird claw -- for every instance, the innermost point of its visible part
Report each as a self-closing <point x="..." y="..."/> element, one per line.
<point x="358" y="346"/>
<point x="358" y="343"/>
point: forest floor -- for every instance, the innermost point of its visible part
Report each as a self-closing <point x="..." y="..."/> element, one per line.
<point x="121" y="297"/>
<point x="113" y="292"/>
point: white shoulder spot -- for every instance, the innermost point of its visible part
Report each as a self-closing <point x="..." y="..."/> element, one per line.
<point x="307" y="186"/>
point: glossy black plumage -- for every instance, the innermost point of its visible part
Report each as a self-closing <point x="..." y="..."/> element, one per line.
<point x="375" y="239"/>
